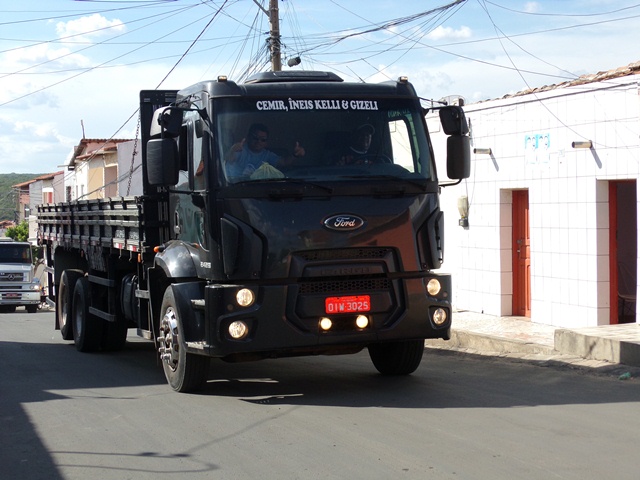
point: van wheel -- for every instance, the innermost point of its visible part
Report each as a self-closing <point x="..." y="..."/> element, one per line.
<point x="31" y="308"/>
<point x="87" y="329"/>
<point x="64" y="299"/>
<point x="185" y="372"/>
<point x="397" y="358"/>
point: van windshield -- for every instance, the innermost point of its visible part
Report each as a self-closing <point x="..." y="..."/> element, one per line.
<point x="321" y="139"/>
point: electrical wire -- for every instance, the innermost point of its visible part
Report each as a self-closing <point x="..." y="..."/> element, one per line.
<point x="249" y="53"/>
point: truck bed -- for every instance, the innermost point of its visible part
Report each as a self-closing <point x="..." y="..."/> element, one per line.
<point x="111" y="223"/>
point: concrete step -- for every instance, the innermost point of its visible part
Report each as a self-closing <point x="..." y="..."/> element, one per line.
<point x="611" y="343"/>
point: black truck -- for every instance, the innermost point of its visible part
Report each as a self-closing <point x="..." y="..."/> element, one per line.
<point x="293" y="214"/>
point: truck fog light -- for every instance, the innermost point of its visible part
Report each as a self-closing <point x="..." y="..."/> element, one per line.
<point x="433" y="287"/>
<point x="362" y="321"/>
<point x="245" y="297"/>
<point x="325" y="323"/>
<point x="238" y="330"/>
<point x="439" y="316"/>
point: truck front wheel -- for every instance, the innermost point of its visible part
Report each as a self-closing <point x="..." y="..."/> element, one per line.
<point x="87" y="329"/>
<point x="397" y="358"/>
<point x="185" y="371"/>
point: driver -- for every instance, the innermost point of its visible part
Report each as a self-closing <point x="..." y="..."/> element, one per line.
<point x="247" y="155"/>
<point x="355" y="153"/>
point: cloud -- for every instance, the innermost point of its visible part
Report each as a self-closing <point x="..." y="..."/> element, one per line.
<point x="42" y="57"/>
<point x="448" y="33"/>
<point x="89" y="27"/>
<point x="532" y="7"/>
<point x="32" y="147"/>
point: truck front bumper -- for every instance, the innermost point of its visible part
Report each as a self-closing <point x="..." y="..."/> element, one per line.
<point x="20" y="297"/>
<point x="283" y="320"/>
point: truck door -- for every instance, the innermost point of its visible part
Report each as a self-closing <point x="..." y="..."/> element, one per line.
<point x="188" y="218"/>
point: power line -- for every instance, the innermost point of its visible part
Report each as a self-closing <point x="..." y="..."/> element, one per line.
<point x="631" y="7"/>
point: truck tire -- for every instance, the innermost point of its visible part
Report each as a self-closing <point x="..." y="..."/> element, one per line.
<point x="87" y="329"/>
<point x="185" y="372"/>
<point x="31" y="308"/>
<point x="397" y="358"/>
<point x="64" y="300"/>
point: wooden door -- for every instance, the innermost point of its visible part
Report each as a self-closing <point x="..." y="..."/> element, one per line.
<point x="521" y="254"/>
<point x="623" y="240"/>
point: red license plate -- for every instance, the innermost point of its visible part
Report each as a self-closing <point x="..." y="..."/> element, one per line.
<point x="349" y="304"/>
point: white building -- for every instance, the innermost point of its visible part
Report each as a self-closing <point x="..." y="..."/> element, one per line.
<point x="95" y="164"/>
<point x="552" y="201"/>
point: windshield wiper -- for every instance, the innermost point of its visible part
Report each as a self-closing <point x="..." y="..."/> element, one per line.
<point x="284" y="182"/>
<point x="422" y="185"/>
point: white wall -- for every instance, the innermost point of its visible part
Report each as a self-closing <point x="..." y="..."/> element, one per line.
<point x="129" y="184"/>
<point x="568" y="198"/>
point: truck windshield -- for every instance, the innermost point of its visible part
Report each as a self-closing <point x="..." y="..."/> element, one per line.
<point x="315" y="139"/>
<point x="15" y="254"/>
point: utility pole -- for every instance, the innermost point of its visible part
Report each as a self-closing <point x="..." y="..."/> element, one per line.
<point x="274" y="34"/>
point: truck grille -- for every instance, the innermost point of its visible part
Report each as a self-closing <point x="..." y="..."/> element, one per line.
<point x="12" y="277"/>
<point x="345" y="286"/>
<point x="343" y="254"/>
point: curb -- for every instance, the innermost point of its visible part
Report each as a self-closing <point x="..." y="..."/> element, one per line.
<point x="598" y="347"/>
<point x="461" y="339"/>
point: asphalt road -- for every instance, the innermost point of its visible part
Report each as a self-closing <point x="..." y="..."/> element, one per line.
<point x="67" y="415"/>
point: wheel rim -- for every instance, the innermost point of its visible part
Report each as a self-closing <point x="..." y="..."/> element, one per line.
<point x="169" y="344"/>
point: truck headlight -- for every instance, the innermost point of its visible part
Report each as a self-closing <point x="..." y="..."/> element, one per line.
<point x="245" y="297"/>
<point x="433" y="287"/>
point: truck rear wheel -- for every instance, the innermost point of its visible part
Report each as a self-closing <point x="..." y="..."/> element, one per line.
<point x="87" y="329"/>
<point x="64" y="299"/>
<point x="185" y="371"/>
<point x="397" y="358"/>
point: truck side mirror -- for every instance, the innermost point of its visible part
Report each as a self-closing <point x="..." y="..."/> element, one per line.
<point x="454" y="124"/>
<point x="453" y="120"/>
<point x="458" y="157"/>
<point x="166" y="122"/>
<point x="162" y="162"/>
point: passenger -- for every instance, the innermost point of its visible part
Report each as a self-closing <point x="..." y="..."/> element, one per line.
<point x="247" y="155"/>
<point x="357" y="151"/>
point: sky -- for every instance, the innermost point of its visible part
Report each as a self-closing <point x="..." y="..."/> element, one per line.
<point x="74" y="68"/>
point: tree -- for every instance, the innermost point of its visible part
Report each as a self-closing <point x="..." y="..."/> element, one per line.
<point x="20" y="232"/>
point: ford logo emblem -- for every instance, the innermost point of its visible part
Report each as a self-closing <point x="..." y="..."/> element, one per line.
<point x="343" y="222"/>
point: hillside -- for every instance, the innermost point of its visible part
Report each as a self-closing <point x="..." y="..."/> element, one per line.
<point x="7" y="197"/>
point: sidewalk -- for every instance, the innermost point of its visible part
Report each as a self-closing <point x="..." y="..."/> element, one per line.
<point x="598" y="347"/>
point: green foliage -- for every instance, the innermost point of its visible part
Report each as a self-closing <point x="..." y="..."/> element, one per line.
<point x="8" y="199"/>
<point x="19" y="232"/>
